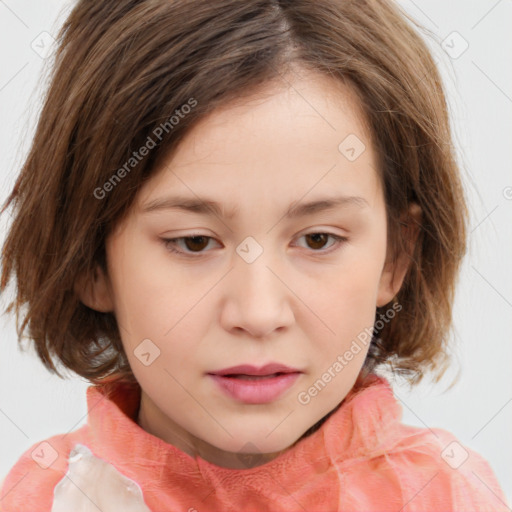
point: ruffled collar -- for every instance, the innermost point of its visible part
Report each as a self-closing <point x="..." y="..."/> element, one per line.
<point x="364" y="425"/>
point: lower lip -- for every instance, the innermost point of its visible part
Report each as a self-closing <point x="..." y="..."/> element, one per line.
<point x="259" y="391"/>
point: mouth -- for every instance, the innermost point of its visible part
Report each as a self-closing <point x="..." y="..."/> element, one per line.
<point x="267" y="370"/>
<point x="252" y="385"/>
<point x="254" y="377"/>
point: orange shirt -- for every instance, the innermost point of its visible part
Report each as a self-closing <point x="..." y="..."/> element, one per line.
<point x="362" y="458"/>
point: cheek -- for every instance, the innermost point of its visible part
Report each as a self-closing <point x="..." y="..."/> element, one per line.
<point x="349" y="311"/>
<point x="364" y="264"/>
<point x="140" y="287"/>
<point x="347" y="300"/>
<point x="157" y="302"/>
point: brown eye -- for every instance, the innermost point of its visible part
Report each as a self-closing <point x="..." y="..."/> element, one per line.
<point x="196" y="246"/>
<point x="196" y="243"/>
<point x="188" y="245"/>
<point x="318" y="240"/>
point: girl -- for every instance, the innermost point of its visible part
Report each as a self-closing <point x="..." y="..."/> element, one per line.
<point x="232" y="216"/>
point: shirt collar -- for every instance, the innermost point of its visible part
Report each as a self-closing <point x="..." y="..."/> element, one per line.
<point x="362" y="426"/>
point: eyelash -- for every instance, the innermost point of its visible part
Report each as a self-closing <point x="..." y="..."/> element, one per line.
<point x="170" y="244"/>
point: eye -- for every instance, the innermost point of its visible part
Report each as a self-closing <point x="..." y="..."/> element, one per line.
<point x="317" y="240"/>
<point x="194" y="244"/>
<point x="197" y="244"/>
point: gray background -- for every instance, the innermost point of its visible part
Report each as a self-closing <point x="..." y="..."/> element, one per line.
<point x="35" y="405"/>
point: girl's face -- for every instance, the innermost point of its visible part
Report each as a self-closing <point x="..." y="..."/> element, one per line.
<point x="267" y="280"/>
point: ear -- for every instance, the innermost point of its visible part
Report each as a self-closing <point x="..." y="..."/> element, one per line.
<point x="393" y="276"/>
<point x="95" y="291"/>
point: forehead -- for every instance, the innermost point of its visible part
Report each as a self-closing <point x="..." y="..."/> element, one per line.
<point x="290" y="138"/>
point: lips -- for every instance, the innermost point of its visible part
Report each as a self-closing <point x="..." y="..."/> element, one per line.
<point x="251" y="377"/>
<point x="271" y="369"/>
<point x="255" y="385"/>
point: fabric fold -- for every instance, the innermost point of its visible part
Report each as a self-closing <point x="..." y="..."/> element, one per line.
<point x="361" y="458"/>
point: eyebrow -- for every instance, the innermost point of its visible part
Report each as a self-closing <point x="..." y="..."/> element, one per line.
<point x="206" y="206"/>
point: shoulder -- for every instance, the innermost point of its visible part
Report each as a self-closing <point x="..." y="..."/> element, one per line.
<point x="398" y="466"/>
<point x="436" y="471"/>
<point x="30" y="483"/>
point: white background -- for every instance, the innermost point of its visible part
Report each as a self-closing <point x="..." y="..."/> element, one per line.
<point x="35" y="405"/>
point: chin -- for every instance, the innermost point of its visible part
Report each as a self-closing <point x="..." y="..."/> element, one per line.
<point x="257" y="443"/>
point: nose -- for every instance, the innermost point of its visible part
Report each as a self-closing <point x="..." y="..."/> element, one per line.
<point x="258" y="300"/>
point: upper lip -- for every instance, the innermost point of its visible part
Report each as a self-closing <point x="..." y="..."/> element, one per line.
<point x="248" y="369"/>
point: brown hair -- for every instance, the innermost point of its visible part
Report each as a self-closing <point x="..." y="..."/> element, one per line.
<point x="124" y="68"/>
